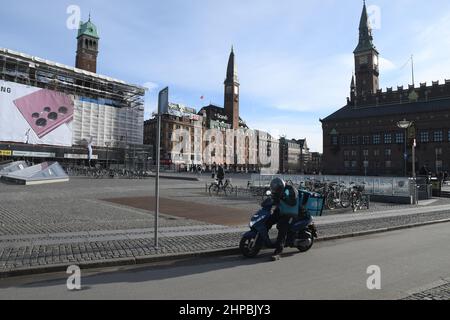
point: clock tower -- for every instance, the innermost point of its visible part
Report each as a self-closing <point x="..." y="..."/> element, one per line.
<point x="366" y="59"/>
<point x="87" y="47"/>
<point x="231" y="104"/>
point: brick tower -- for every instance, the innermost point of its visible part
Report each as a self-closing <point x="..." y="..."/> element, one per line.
<point x="231" y="104"/>
<point x="87" y="48"/>
<point x="366" y="59"/>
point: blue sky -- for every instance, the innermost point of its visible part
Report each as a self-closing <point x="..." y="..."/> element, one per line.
<point x="294" y="56"/>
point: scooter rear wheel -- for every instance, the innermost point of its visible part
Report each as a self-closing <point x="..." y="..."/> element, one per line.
<point x="306" y="248"/>
<point x="249" y="247"/>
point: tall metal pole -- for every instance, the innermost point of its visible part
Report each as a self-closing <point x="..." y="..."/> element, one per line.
<point x="158" y="157"/>
<point x="414" y="159"/>
<point x="416" y="200"/>
<point x="406" y="154"/>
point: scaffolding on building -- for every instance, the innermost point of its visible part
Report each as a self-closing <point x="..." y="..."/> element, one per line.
<point x="124" y="102"/>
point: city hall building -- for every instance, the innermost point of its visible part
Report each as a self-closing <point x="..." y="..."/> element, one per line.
<point x="50" y="111"/>
<point x="364" y="137"/>
<point x="234" y="151"/>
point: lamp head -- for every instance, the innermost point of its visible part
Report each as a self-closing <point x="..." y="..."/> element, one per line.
<point x="404" y="124"/>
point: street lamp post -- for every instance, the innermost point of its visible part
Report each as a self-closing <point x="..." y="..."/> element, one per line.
<point x="404" y="124"/>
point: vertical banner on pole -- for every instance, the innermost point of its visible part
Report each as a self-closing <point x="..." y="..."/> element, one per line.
<point x="163" y="106"/>
<point x="163" y="101"/>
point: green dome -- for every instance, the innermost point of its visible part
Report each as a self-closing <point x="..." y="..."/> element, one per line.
<point x="88" y="29"/>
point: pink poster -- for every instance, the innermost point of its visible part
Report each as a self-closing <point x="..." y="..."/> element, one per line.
<point x="45" y="110"/>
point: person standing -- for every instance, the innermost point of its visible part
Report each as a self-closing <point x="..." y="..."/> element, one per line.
<point x="286" y="200"/>
<point x="220" y="175"/>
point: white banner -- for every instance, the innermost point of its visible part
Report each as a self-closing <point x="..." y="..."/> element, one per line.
<point x="35" y="116"/>
<point x="80" y="156"/>
<point x="31" y="154"/>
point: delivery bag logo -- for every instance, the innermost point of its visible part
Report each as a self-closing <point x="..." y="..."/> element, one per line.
<point x="45" y="110"/>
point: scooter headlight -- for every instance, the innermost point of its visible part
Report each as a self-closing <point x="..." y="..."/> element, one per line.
<point x="255" y="221"/>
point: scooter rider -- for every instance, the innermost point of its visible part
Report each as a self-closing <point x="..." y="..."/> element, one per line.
<point x="286" y="200"/>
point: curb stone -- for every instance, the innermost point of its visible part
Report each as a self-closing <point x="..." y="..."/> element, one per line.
<point x="199" y="254"/>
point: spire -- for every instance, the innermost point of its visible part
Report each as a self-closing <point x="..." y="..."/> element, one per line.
<point x="364" y="22"/>
<point x="365" y="33"/>
<point x="232" y="74"/>
<point x="352" y="90"/>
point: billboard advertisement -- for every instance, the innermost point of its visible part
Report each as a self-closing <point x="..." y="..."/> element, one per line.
<point x="179" y="110"/>
<point x="34" y="115"/>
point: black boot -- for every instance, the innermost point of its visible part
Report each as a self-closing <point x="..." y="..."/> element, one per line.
<point x="277" y="254"/>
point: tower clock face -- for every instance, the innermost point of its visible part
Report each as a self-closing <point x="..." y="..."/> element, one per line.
<point x="375" y="60"/>
<point x="236" y="90"/>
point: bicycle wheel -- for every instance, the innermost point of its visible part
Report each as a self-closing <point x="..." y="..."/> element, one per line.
<point x="214" y="188"/>
<point x="329" y="202"/>
<point x="345" y="199"/>
<point x="228" y="190"/>
<point x="356" y="204"/>
<point x="367" y="202"/>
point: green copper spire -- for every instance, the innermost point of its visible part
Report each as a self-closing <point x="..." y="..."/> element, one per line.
<point x="88" y="29"/>
<point x="365" y="33"/>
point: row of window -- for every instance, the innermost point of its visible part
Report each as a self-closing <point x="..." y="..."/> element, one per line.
<point x="376" y="153"/>
<point x="354" y="164"/>
<point x="438" y="136"/>
<point x="387" y="164"/>
<point x="389" y="138"/>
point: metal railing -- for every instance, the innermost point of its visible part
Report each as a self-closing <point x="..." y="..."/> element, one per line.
<point x="379" y="186"/>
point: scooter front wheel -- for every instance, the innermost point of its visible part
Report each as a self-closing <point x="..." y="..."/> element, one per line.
<point x="249" y="246"/>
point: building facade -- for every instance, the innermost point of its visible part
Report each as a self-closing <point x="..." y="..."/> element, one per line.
<point x="315" y="166"/>
<point x="295" y="157"/>
<point x="52" y="111"/>
<point x="364" y="137"/>
<point x="180" y="124"/>
<point x="289" y="156"/>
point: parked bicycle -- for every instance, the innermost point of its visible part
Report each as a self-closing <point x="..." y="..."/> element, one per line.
<point x="337" y="195"/>
<point x="216" y="188"/>
<point x="359" y="200"/>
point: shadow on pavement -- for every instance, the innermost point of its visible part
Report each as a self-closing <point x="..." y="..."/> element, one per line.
<point x="154" y="272"/>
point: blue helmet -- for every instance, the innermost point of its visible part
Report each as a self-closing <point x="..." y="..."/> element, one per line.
<point x="277" y="187"/>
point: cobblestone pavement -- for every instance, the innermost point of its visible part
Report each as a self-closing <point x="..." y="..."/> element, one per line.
<point x="134" y="245"/>
<point x="441" y="292"/>
<point x="68" y="224"/>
